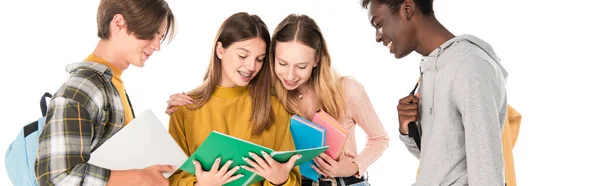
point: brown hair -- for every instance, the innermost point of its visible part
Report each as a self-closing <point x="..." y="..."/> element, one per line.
<point x="328" y="85"/>
<point x="143" y="17"/>
<point x="240" y="27"/>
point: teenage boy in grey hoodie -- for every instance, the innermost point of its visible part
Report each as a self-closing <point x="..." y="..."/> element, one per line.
<point x="462" y="103"/>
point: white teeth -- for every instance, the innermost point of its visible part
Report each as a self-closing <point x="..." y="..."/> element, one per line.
<point x="243" y="74"/>
<point x="290" y="82"/>
<point x="389" y="45"/>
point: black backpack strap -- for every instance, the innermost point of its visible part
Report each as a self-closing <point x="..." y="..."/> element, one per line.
<point x="413" y="132"/>
<point x="33" y="126"/>
<point x="43" y="104"/>
<point x="130" y="106"/>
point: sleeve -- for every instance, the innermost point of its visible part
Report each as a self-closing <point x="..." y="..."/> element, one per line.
<point x="364" y="115"/>
<point x="282" y="119"/>
<point x="177" y="131"/>
<point x="411" y="145"/>
<point x="65" y="144"/>
<point x="479" y="93"/>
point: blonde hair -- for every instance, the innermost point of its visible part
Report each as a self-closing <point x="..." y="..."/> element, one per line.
<point x="327" y="83"/>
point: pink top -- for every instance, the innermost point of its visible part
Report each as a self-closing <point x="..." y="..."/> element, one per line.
<point x="361" y="113"/>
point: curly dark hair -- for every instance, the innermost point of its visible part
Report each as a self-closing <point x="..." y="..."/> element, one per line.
<point x="426" y="6"/>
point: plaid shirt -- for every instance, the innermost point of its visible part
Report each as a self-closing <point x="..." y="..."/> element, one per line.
<point x="83" y="114"/>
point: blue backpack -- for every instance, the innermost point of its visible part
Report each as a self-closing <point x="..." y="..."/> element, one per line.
<point x="20" y="156"/>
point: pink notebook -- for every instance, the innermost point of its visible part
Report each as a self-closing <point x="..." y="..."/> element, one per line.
<point x="335" y="136"/>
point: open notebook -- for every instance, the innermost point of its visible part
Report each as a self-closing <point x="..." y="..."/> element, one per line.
<point x="231" y="148"/>
<point x="141" y="143"/>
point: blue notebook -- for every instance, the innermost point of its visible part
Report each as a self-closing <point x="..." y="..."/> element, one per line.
<point x="307" y="135"/>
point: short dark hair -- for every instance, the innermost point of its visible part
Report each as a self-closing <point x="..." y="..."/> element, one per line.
<point x="426" y="6"/>
<point x="143" y="18"/>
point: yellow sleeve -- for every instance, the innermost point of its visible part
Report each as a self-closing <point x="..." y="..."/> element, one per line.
<point x="177" y="131"/>
<point x="182" y="178"/>
<point x="282" y="122"/>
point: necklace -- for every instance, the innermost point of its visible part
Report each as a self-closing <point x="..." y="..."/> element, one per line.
<point x="300" y="96"/>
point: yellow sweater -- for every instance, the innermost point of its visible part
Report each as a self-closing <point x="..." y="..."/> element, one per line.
<point x="228" y="111"/>
<point x="118" y="83"/>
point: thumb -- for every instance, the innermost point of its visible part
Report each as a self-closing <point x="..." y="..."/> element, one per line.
<point x="418" y="94"/>
<point x="198" y="167"/>
<point x="292" y="162"/>
<point x="165" y="168"/>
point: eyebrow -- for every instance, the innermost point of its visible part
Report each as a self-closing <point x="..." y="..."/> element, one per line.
<point x="243" y="49"/>
<point x="303" y="63"/>
<point x="247" y="51"/>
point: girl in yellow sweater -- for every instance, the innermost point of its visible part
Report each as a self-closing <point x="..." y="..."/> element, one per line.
<point x="234" y="100"/>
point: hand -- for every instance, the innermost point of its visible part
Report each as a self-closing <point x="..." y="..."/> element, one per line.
<point x="408" y="111"/>
<point x="328" y="167"/>
<point x="177" y="100"/>
<point x="275" y="172"/>
<point x="153" y="175"/>
<point x="216" y="176"/>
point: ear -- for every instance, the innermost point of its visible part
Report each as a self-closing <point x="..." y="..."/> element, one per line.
<point x="118" y="24"/>
<point x="408" y="8"/>
<point x="220" y="50"/>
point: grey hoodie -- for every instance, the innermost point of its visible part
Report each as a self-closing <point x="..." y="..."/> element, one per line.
<point x="462" y="109"/>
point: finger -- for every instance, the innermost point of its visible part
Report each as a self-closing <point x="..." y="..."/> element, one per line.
<point x="198" y="168"/>
<point x="323" y="165"/>
<point x="253" y="164"/>
<point x="231" y="172"/>
<point x="268" y="158"/>
<point x="292" y="162"/>
<point x="407" y="119"/>
<point x="414" y="106"/>
<point x="409" y="99"/>
<point x="175" y="103"/>
<point x="319" y="163"/>
<point x="215" y="166"/>
<point x="318" y="170"/>
<point x="408" y="112"/>
<point x="182" y="99"/>
<point x="418" y="95"/>
<point x="186" y="96"/>
<point x="234" y="178"/>
<point x="224" y="169"/>
<point x="171" y="110"/>
<point x="328" y="159"/>
<point x="190" y="99"/>
<point x="260" y="161"/>
<point x="251" y="169"/>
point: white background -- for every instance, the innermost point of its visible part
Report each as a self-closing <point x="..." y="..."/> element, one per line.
<point x="548" y="47"/>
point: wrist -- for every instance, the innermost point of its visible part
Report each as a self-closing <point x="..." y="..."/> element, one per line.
<point x="278" y="183"/>
<point x="355" y="168"/>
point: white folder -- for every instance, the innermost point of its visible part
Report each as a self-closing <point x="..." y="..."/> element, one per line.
<point x="141" y="143"/>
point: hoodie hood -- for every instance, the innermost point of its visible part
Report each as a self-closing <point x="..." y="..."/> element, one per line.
<point x="486" y="47"/>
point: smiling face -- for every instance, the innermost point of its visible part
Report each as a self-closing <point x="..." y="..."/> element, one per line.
<point x="241" y="61"/>
<point x="136" y="51"/>
<point x="294" y="63"/>
<point x="394" y="29"/>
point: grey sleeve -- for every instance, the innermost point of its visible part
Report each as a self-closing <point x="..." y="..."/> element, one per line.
<point x="480" y="95"/>
<point x="411" y="145"/>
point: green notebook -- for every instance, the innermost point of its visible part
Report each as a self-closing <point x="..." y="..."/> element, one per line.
<point x="230" y="148"/>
